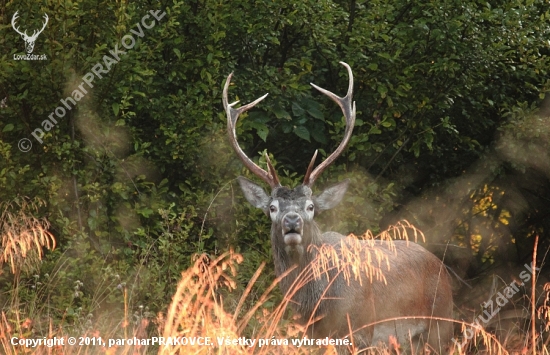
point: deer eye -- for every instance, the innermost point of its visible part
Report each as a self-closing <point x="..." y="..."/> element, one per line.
<point x="272" y="208"/>
<point x="310" y="208"/>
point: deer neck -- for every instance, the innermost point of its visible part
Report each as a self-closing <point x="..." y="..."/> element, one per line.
<point x="305" y="296"/>
<point x="298" y="259"/>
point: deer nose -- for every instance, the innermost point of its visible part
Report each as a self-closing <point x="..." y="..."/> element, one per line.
<point x="292" y="222"/>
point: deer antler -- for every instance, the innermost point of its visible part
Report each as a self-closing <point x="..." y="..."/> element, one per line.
<point x="232" y="117"/>
<point x="36" y="33"/>
<point x="24" y="34"/>
<point x="13" y="19"/>
<point x="348" y="108"/>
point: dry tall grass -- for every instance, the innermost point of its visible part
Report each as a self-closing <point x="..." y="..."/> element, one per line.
<point x="22" y="235"/>
<point x="205" y="306"/>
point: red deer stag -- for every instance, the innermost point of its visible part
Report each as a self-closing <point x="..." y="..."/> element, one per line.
<point x="415" y="287"/>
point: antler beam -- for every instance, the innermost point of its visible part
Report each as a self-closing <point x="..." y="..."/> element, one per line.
<point x="37" y="32"/>
<point x="270" y="177"/>
<point x="348" y="109"/>
<point x="13" y="20"/>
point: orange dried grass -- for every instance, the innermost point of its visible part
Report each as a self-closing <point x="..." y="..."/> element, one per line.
<point x="197" y="308"/>
<point x="22" y="235"/>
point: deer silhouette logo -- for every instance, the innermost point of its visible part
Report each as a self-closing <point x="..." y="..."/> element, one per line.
<point x="29" y="40"/>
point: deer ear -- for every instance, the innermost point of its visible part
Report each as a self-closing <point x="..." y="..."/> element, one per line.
<point x="332" y="196"/>
<point x="254" y="193"/>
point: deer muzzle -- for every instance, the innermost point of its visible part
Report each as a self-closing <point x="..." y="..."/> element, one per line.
<point x="292" y="229"/>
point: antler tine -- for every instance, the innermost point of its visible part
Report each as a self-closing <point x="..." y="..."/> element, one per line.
<point x="232" y="117"/>
<point x="310" y="168"/>
<point x="348" y="108"/>
<point x="13" y="20"/>
<point x="37" y="32"/>
<point x="44" y="26"/>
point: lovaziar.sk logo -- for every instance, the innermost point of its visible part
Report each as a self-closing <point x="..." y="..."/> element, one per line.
<point x="29" y="40"/>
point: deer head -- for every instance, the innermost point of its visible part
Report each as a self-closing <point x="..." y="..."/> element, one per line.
<point x="292" y="210"/>
<point x="29" y="40"/>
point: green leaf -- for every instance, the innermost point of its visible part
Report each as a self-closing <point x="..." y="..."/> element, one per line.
<point x="318" y="134"/>
<point x="302" y="132"/>
<point x="92" y="223"/>
<point x="297" y="110"/>
<point x="428" y="140"/>
<point x="145" y="212"/>
<point x="280" y="112"/>
<point x="115" y="107"/>
<point x="315" y="113"/>
<point x="416" y="149"/>
<point x="388" y="123"/>
<point x="8" y="128"/>
<point x="382" y="90"/>
<point x="375" y="130"/>
<point x="262" y="132"/>
<point x="261" y="129"/>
